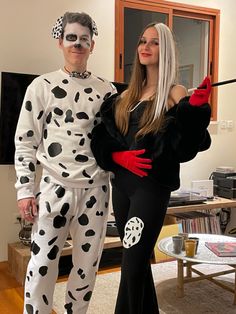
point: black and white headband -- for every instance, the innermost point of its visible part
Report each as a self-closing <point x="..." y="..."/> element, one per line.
<point x="57" y="28"/>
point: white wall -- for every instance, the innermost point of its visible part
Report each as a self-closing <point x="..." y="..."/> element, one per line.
<point x="26" y="46"/>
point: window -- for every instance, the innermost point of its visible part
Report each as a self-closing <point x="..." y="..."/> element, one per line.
<point x="196" y="32"/>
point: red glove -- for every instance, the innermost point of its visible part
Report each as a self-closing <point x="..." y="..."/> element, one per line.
<point x="201" y="95"/>
<point x="129" y="160"/>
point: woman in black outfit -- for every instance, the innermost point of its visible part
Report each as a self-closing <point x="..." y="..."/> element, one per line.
<point x="146" y="132"/>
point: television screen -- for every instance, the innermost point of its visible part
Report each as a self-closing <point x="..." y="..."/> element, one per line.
<point x="13" y="87"/>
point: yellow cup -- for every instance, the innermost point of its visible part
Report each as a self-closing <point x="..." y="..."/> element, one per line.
<point x="190" y="247"/>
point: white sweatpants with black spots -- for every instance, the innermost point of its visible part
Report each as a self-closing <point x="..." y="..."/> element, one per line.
<point x="83" y="214"/>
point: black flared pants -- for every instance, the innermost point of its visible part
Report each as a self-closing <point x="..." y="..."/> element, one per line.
<point x="139" y="207"/>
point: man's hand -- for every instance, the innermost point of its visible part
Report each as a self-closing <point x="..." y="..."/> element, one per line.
<point x="201" y="95"/>
<point x="131" y="161"/>
<point x="28" y="208"/>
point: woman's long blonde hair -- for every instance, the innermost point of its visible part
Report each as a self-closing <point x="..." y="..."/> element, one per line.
<point x="152" y="119"/>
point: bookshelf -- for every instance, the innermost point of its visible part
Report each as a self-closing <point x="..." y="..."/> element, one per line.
<point x="201" y="218"/>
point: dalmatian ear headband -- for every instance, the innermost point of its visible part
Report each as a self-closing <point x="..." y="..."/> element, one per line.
<point x="57" y="28"/>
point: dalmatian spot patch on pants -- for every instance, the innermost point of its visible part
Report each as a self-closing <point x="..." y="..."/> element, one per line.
<point x="133" y="232"/>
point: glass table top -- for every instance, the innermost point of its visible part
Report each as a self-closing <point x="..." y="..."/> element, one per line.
<point x="204" y="254"/>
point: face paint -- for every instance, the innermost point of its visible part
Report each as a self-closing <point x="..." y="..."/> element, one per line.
<point x="76" y="35"/>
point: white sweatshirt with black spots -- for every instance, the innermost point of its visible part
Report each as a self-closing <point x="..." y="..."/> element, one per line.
<point x="57" y="116"/>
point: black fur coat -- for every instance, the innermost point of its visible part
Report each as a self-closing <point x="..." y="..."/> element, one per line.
<point x="185" y="134"/>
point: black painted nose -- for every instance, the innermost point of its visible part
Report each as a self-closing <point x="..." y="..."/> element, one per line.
<point x="77" y="46"/>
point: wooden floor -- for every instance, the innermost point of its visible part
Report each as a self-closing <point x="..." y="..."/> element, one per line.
<point x="11" y="292"/>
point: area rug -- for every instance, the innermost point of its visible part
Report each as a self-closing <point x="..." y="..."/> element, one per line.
<point x="200" y="297"/>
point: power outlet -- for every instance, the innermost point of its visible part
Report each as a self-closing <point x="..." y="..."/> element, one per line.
<point x="16" y="218"/>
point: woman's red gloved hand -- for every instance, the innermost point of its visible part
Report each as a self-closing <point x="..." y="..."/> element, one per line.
<point x="201" y="95"/>
<point x="130" y="160"/>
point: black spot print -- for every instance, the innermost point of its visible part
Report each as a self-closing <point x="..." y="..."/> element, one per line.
<point x="30" y="133"/>
<point x="45" y="300"/>
<point x="95" y="263"/>
<point x="77" y="96"/>
<point x="49" y="118"/>
<point x="59" y="92"/>
<point x="58" y="111"/>
<point x="47" y="81"/>
<point x="82" y="141"/>
<point x="99" y="213"/>
<point x="65" y="174"/>
<point x="29" y="309"/>
<point x="60" y="191"/>
<point x="45" y="134"/>
<point x="91" y="202"/>
<point x="41" y="232"/>
<point x="88" y="90"/>
<point x="89" y="233"/>
<point x="85" y="174"/>
<point x="27" y="294"/>
<point x="68" y="307"/>
<point x="89" y="135"/>
<point x="61" y="165"/>
<point x="59" y="222"/>
<point x="90" y="182"/>
<point x="21" y="158"/>
<point x="24" y="179"/>
<point x="87" y="296"/>
<point x="71" y="295"/>
<point x="69" y="117"/>
<point x="85" y="247"/>
<point x="40" y="115"/>
<point x="35" y="248"/>
<point x="48" y="207"/>
<point x="64" y="209"/>
<point x="43" y="270"/>
<point x="31" y="273"/>
<point x="98" y="96"/>
<point x="54" y="149"/>
<point x="69" y="132"/>
<point x="83" y="220"/>
<point x="82" y="115"/>
<point x="74" y="151"/>
<point x="52" y="241"/>
<point x="65" y="81"/>
<point x="95" y="122"/>
<point x="31" y="167"/>
<point x="28" y="105"/>
<point x="81" y="158"/>
<point x="90" y="99"/>
<point x="104" y="188"/>
<point x="106" y="204"/>
<point x="53" y="253"/>
<point x="81" y="273"/>
<point x="37" y="195"/>
<point x="56" y="122"/>
<point x="82" y="288"/>
<point x="100" y="79"/>
<point x="47" y="179"/>
<point x="97" y="115"/>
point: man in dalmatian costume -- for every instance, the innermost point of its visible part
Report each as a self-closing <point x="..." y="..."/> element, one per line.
<point x="59" y="111"/>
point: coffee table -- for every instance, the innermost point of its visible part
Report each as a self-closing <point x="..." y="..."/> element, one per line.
<point x="204" y="256"/>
